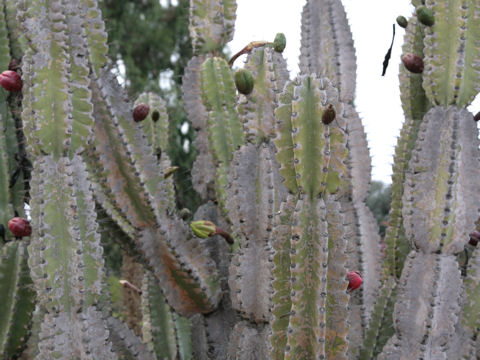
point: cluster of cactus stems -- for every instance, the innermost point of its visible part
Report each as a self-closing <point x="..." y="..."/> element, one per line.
<point x="284" y="171"/>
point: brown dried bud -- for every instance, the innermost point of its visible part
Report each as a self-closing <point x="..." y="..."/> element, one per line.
<point x="474" y="238"/>
<point x="328" y="114"/>
<point x="140" y="112"/>
<point x="413" y="63"/>
<point x="128" y="285"/>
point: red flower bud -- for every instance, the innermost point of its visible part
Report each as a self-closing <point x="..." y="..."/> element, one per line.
<point x="413" y="63"/>
<point x="474" y="238"/>
<point x="354" y="280"/>
<point x="19" y="227"/>
<point x="10" y="81"/>
<point x="140" y="112"/>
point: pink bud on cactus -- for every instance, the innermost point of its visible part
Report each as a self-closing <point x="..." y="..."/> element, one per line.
<point x="19" y="227"/>
<point x="140" y="112"/>
<point x="413" y="63"/>
<point x="474" y="238"/>
<point x="10" y="81"/>
<point x="354" y="280"/>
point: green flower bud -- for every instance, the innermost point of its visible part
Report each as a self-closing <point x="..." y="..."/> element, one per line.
<point x="169" y="171"/>
<point x="244" y="81"/>
<point x="279" y="43"/>
<point x="203" y="228"/>
<point x="425" y="16"/>
<point x="402" y="21"/>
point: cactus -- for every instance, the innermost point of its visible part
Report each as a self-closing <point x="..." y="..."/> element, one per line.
<point x="284" y="172"/>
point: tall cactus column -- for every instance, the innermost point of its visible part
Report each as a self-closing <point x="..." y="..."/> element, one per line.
<point x="65" y="255"/>
<point x="312" y="157"/>
<point x="327" y="49"/>
<point x="439" y="200"/>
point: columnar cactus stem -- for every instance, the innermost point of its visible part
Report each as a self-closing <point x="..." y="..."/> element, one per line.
<point x="18" y="299"/>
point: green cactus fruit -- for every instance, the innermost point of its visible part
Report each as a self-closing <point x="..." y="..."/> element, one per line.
<point x="244" y="81"/>
<point x="425" y="16"/>
<point x="280" y="42"/>
<point x="402" y="21"/>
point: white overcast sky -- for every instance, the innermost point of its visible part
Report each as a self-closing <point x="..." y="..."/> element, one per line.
<point x="377" y="98"/>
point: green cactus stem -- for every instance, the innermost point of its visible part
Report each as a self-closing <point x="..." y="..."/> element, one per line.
<point x="18" y="299"/>
<point x="211" y="24"/>
<point x="327" y="45"/>
<point x="452" y="54"/>
<point x="224" y="127"/>
<point x="377" y="334"/>
<point x="269" y="70"/>
<point x="252" y="216"/>
<point x="415" y="105"/>
<point x="440" y="208"/>
<point x="469" y="319"/>
<point x="158" y="328"/>
<point x="427" y="306"/>
<point x="203" y="169"/>
<point x="125" y="344"/>
<point x="66" y="259"/>
<point x="281" y="301"/>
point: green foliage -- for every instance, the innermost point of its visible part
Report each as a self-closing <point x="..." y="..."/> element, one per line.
<point x="149" y="39"/>
<point x="379" y="203"/>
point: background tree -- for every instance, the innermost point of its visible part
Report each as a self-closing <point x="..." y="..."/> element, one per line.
<point x="379" y="203"/>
